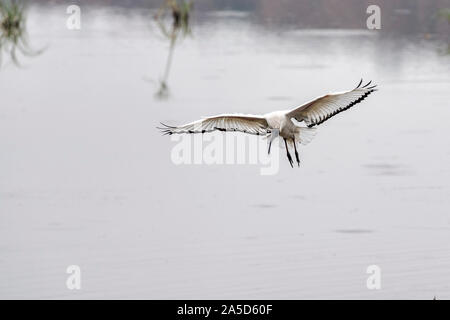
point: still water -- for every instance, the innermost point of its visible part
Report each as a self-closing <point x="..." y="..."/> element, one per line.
<point x="86" y="179"/>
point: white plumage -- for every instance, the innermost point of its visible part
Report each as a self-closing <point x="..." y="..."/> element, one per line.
<point x="281" y="123"/>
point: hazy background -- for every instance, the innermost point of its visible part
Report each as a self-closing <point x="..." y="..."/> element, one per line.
<point x="86" y="179"/>
<point x="400" y="16"/>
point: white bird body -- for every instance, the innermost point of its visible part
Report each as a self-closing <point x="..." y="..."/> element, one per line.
<point x="275" y="119"/>
<point x="285" y="124"/>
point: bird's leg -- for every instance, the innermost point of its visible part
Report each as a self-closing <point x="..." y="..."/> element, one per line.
<point x="296" y="153"/>
<point x="288" y="154"/>
<point x="273" y="135"/>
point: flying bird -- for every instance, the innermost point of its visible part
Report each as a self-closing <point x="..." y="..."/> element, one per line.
<point x="286" y="124"/>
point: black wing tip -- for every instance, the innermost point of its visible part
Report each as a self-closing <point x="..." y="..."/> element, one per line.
<point x="359" y="84"/>
<point x="166" y="132"/>
<point x="167" y="126"/>
<point x="166" y="129"/>
<point x="364" y="96"/>
<point x="366" y="86"/>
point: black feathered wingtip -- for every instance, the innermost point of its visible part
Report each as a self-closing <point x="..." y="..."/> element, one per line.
<point x="167" y="126"/>
<point x="366" y="86"/>
<point x="166" y="130"/>
<point x="359" y="84"/>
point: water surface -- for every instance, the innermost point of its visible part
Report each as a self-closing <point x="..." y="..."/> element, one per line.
<point x="86" y="179"/>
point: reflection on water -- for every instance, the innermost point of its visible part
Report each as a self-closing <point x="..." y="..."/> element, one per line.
<point x="80" y="153"/>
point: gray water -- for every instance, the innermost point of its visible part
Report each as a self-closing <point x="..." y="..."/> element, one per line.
<point x="86" y="179"/>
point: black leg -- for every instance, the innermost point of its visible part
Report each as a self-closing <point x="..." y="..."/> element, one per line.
<point x="288" y="154"/>
<point x="270" y="144"/>
<point x="296" y="154"/>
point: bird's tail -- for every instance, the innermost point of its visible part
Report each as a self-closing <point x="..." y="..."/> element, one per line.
<point x="304" y="135"/>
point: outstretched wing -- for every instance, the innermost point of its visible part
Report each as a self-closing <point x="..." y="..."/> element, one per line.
<point x="323" y="108"/>
<point x="232" y="122"/>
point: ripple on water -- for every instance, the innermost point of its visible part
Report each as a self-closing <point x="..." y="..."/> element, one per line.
<point x="354" y="231"/>
<point x="279" y="98"/>
<point x="387" y="169"/>
<point x="264" y="205"/>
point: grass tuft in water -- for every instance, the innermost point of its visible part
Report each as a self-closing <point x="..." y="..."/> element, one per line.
<point x="13" y="35"/>
<point x="445" y="14"/>
<point x="173" y="20"/>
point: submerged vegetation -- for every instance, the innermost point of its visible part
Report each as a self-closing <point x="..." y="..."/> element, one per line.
<point x="173" y="20"/>
<point x="445" y="14"/>
<point x="13" y="35"/>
